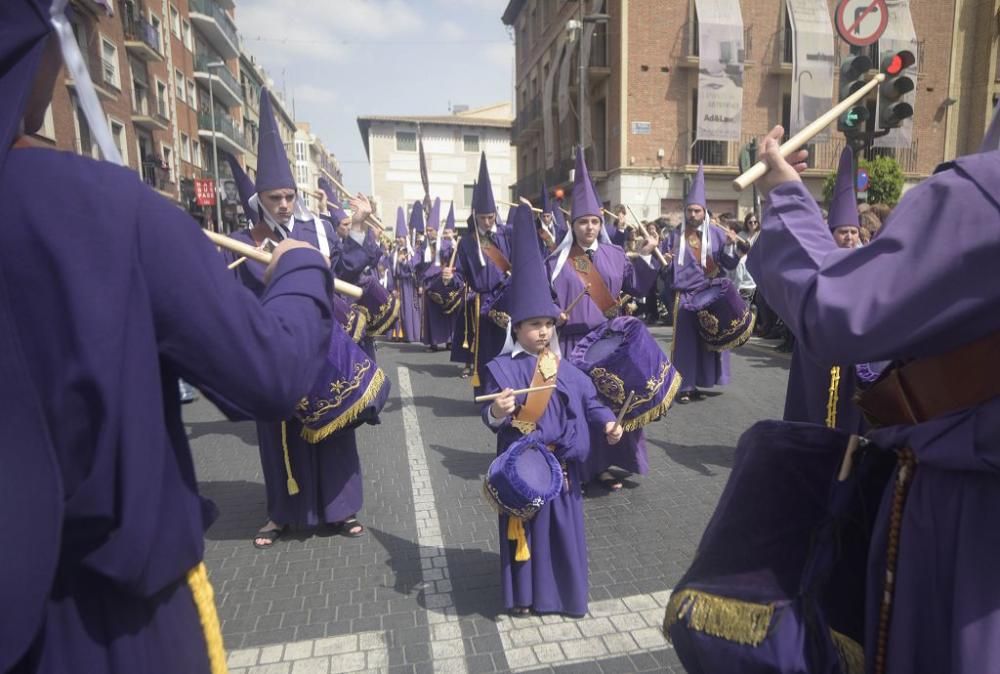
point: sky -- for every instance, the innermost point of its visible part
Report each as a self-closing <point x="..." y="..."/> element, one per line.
<point x="340" y="59"/>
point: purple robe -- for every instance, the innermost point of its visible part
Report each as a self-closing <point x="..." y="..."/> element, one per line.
<point x="699" y="367"/>
<point x="926" y="285"/>
<point x="406" y="283"/>
<point x="358" y="258"/>
<point x="554" y="580"/>
<point x="109" y="312"/>
<point x="486" y="282"/>
<point x="438" y="326"/>
<point x="620" y="275"/>
<point x="328" y="472"/>
<point x="808" y="394"/>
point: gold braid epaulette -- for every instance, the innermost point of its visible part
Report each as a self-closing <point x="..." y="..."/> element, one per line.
<point x="741" y="622"/>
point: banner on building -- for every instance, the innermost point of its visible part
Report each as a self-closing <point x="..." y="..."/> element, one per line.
<point x="812" y="74"/>
<point x="548" y="98"/>
<point x="204" y="191"/>
<point x="720" y="69"/>
<point x="586" y="47"/>
<point x="900" y="35"/>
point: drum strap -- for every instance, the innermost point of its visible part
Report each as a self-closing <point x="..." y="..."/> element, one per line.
<point x="496" y="256"/>
<point x="694" y="242"/>
<point x="546" y="372"/>
<point x="587" y="271"/>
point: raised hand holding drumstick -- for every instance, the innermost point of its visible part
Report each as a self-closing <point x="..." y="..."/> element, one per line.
<point x="780" y="170"/>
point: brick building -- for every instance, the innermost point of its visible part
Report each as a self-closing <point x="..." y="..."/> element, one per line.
<point x="641" y="95"/>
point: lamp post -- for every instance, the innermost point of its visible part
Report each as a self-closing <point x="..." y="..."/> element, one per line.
<point x="574" y="27"/>
<point x="210" y="66"/>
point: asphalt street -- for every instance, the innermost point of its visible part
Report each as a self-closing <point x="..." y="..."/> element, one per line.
<point x="419" y="592"/>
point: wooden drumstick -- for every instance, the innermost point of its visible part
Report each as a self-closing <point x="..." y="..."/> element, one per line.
<point x="245" y="249"/>
<point x="799" y="140"/>
<point x="237" y="262"/>
<point x="371" y="221"/>
<point x="524" y="202"/>
<point x="579" y="297"/>
<point x="624" y="409"/>
<point x="517" y="392"/>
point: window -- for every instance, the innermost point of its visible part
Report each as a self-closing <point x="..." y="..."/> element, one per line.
<point x="162" y="104"/>
<point x="302" y="175"/>
<point x="406" y="141"/>
<point x="186" y="34"/>
<point x="118" y="135"/>
<point x="179" y="85"/>
<point x="109" y="63"/>
<point x="788" y="46"/>
<point x="48" y="129"/>
<point x="712" y="152"/>
<point x="470" y="143"/>
<point x="300" y="151"/>
<point x="467" y="194"/>
<point x="175" y="21"/>
<point x="154" y="21"/>
<point x="185" y="147"/>
<point x="168" y="160"/>
<point x="192" y="94"/>
<point x="196" y="153"/>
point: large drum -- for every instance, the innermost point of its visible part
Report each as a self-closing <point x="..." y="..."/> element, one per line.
<point x="446" y="296"/>
<point x="493" y="306"/>
<point x="621" y="357"/>
<point x="378" y="306"/>
<point x="351" y="390"/>
<point x="778" y="581"/>
<point x="724" y="318"/>
<point x="523" y="478"/>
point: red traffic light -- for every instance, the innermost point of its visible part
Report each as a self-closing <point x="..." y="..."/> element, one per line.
<point x="894" y="64"/>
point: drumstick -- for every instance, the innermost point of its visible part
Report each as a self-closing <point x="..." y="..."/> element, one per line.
<point x="245" y="249"/>
<point x="523" y="201"/>
<point x="624" y="409"/>
<point x="579" y="297"/>
<point x="237" y="262"/>
<point x="796" y="142"/>
<point x="656" y="251"/>
<point x="517" y="392"/>
<point x="371" y="216"/>
<point x="454" y="252"/>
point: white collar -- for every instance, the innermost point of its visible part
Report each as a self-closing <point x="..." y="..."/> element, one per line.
<point x="359" y="237"/>
<point x="593" y="246"/>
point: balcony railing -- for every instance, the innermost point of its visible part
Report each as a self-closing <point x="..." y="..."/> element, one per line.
<point x="154" y="175"/>
<point x="210" y="8"/>
<point x="201" y="65"/>
<point x="141" y="30"/>
<point x="527" y="117"/>
<point x="225" y="125"/>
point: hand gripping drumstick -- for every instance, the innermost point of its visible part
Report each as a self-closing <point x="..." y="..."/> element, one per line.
<point x="797" y="141"/>
<point x="656" y="251"/>
<point x="579" y="297"/>
<point x="624" y="409"/>
<point x="517" y="392"/>
<point x="342" y="287"/>
<point x="372" y="221"/>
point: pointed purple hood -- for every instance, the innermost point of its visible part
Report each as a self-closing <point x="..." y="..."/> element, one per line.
<point x="696" y="195"/>
<point x="434" y="219"/>
<point x="528" y="295"/>
<point x="449" y="223"/>
<point x="843" y="201"/>
<point x="401" y="231"/>
<point x="482" y="193"/>
<point x="273" y="170"/>
<point x="244" y="186"/>
<point x="337" y="212"/>
<point x="417" y="217"/>
<point x="585" y="201"/>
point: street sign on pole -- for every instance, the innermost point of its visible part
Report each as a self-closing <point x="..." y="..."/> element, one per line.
<point x="861" y="22"/>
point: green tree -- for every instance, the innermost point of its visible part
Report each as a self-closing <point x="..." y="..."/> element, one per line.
<point x="885" y="181"/>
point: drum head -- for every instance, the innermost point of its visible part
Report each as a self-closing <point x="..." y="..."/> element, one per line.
<point x="603" y="348"/>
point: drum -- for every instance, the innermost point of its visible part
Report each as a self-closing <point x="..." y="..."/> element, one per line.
<point x="448" y="297"/>
<point x="492" y="306"/>
<point x="778" y="580"/>
<point x="351" y="390"/>
<point x="724" y="318"/>
<point x="621" y="357"/>
<point x="379" y="306"/>
<point x="523" y="478"/>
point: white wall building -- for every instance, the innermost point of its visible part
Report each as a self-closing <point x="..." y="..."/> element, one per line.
<point x="452" y="145"/>
<point x="311" y="161"/>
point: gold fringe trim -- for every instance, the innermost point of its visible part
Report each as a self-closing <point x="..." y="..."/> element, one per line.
<point x="852" y="656"/>
<point x="204" y="602"/>
<point x="515" y="532"/>
<point x="741" y="622"/>
<point x="475" y="347"/>
<point x="291" y="484"/>
<point x="655" y="413"/>
<point x="313" y="436"/>
<point x="833" y="398"/>
<point x="379" y="324"/>
<point x="739" y="341"/>
<point x="673" y="331"/>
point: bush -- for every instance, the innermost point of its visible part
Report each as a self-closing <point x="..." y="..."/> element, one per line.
<point x="885" y="181"/>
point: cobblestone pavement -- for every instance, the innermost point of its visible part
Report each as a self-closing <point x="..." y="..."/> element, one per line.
<point x="420" y="591"/>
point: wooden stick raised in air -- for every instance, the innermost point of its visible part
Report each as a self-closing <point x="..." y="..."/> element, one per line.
<point x="372" y="221"/>
<point x="524" y="202"/>
<point x="800" y="139"/>
<point x="624" y="409"/>
<point x="248" y="251"/>
<point x="517" y="392"/>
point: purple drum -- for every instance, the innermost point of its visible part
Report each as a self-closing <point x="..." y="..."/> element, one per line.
<point x="621" y="357"/>
<point x="724" y="318"/>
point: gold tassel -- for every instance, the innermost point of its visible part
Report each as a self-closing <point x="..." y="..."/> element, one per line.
<point x="204" y="601"/>
<point x="738" y="621"/>
<point x="293" y="486"/>
<point x="475" y="347"/>
<point x="348" y="416"/>
<point x="852" y="656"/>
<point x="655" y="413"/>
<point x="831" y="404"/>
<point x="515" y="532"/>
<point x="673" y="332"/>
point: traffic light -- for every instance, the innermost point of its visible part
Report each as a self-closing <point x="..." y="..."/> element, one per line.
<point x="892" y="109"/>
<point x="852" y="73"/>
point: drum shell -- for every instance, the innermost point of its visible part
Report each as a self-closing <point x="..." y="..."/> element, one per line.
<point x="724" y="317"/>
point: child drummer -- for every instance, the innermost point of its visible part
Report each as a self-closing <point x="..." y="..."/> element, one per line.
<point x="544" y="559"/>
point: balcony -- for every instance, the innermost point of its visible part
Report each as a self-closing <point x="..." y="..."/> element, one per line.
<point x="150" y="114"/>
<point x="528" y="120"/>
<point x="530" y="185"/>
<point x="102" y="74"/>
<point x="157" y="177"/>
<point x="225" y="88"/>
<point x="228" y="135"/>
<point x="220" y="31"/>
<point x="597" y="66"/>
<point x="142" y="40"/>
